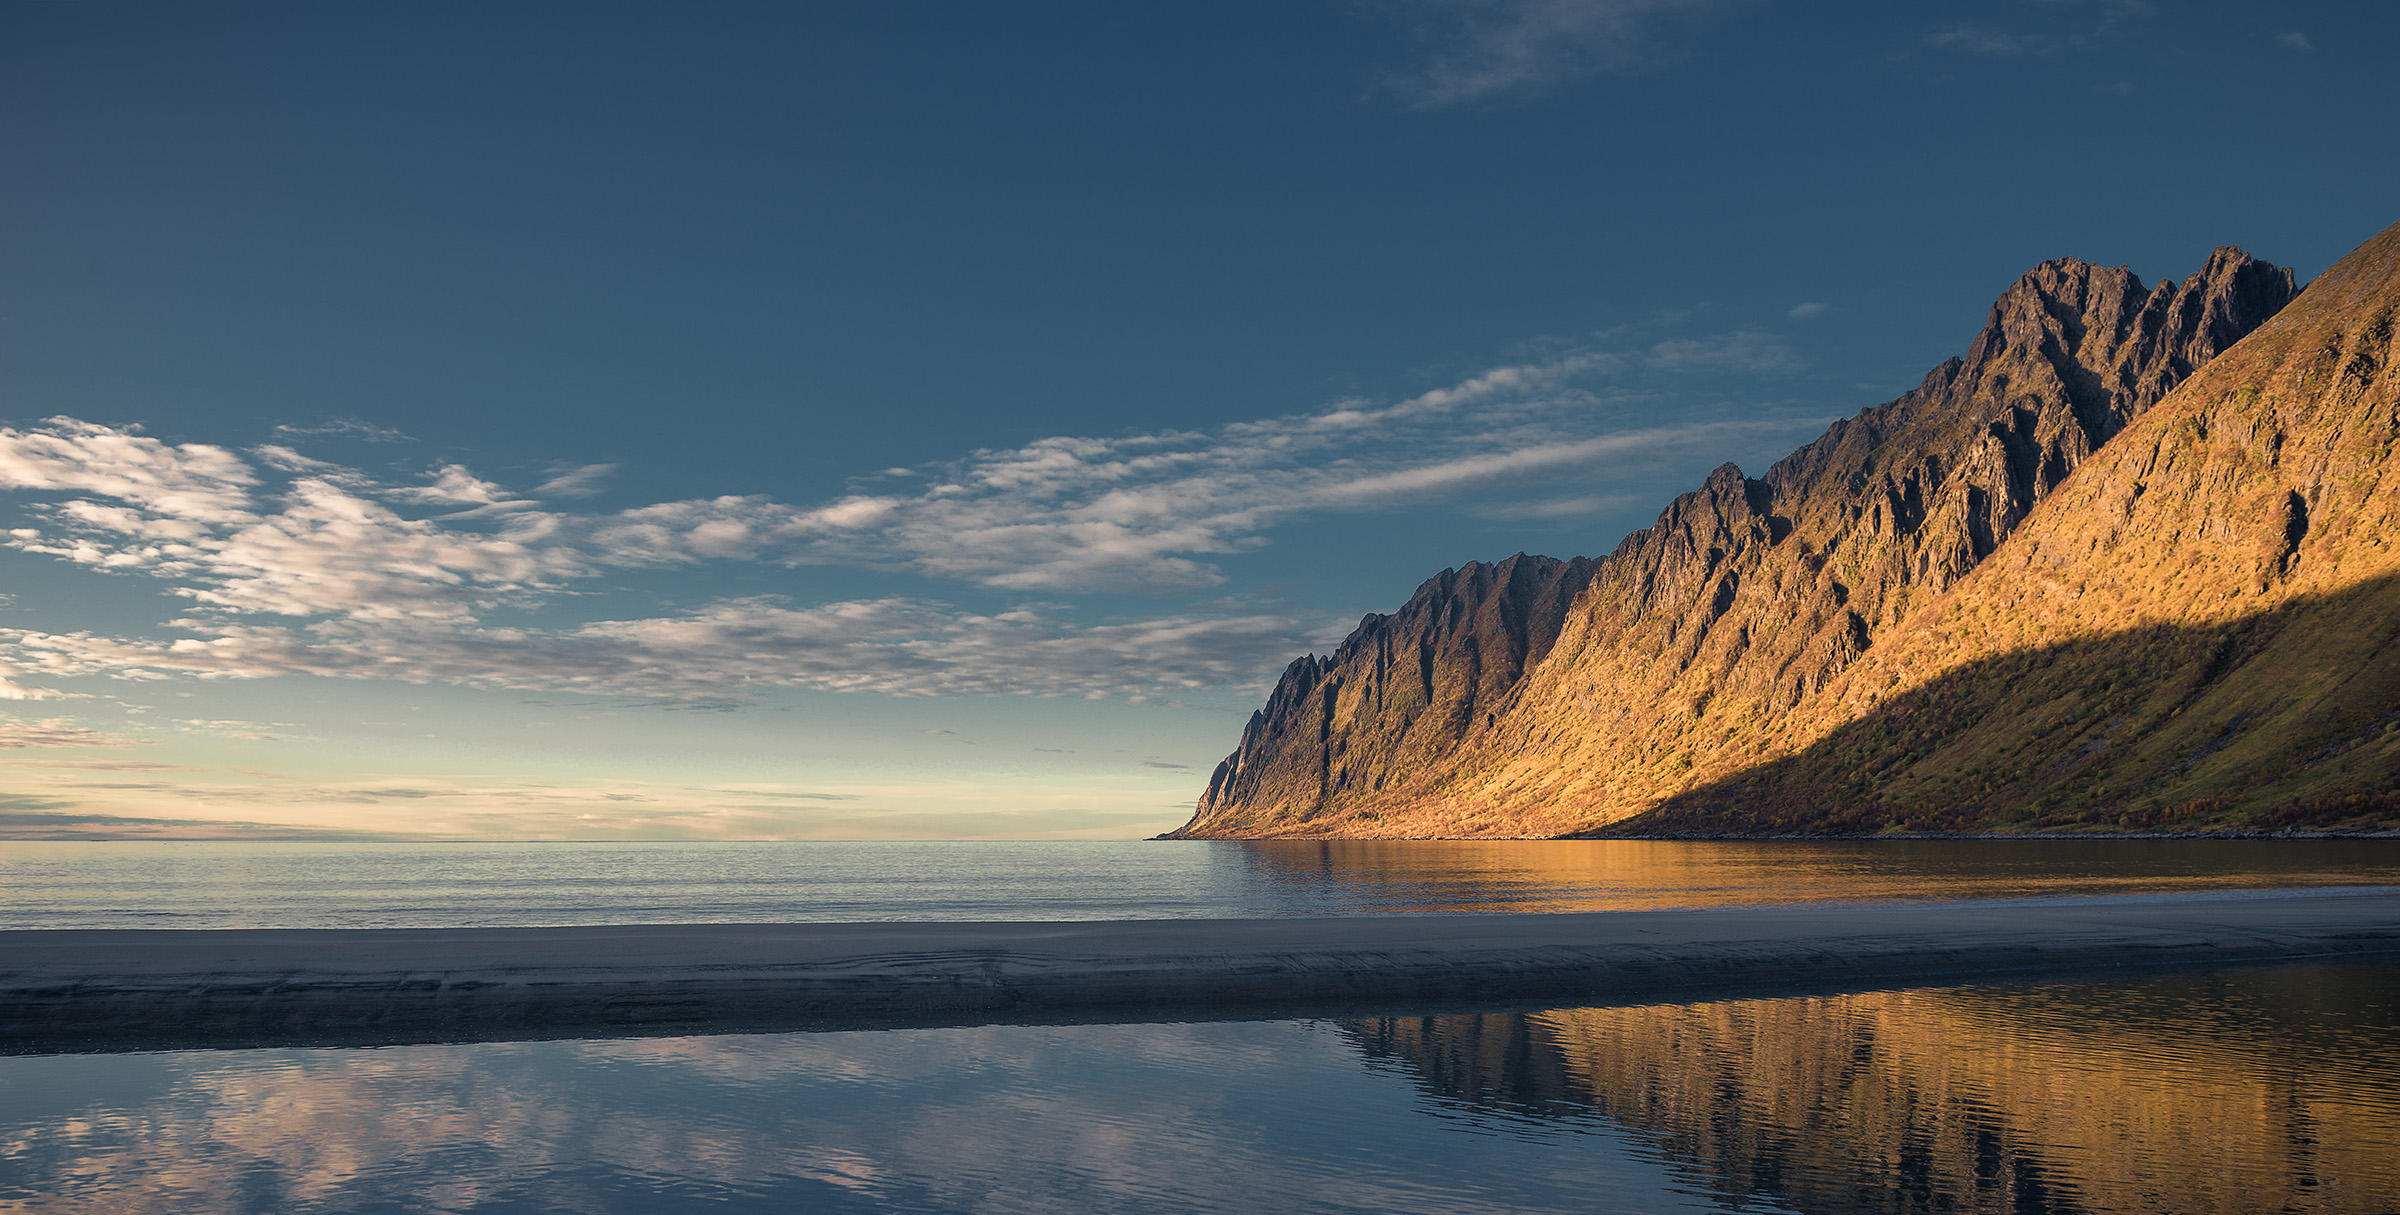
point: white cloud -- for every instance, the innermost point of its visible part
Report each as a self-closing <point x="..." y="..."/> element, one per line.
<point x="2297" y="41"/>
<point x="332" y="552"/>
<point x="1801" y="312"/>
<point x="187" y="513"/>
<point x="1490" y="48"/>
<point x="1746" y="352"/>
<point x="454" y="485"/>
<point x="1426" y="480"/>
<point x="345" y="428"/>
<point x="193" y="481"/>
<point x="1143" y="511"/>
<point x="578" y="481"/>
<point x="729" y="648"/>
<point x="399" y="581"/>
<point x="10" y="689"/>
<point x="1130" y="512"/>
<point x="16" y="732"/>
<point x="284" y="459"/>
<point x="1576" y="507"/>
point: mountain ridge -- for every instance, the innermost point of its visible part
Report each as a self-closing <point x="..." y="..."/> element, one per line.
<point x="2205" y="628"/>
<point x="1707" y="644"/>
<point x="1462" y="640"/>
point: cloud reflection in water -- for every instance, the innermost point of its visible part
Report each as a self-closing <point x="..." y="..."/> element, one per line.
<point x="2186" y="1092"/>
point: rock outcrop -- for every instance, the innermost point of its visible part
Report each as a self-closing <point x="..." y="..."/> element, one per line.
<point x="1402" y="691"/>
<point x="1691" y="650"/>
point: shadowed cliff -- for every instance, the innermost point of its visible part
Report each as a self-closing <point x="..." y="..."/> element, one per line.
<point x="2286" y="719"/>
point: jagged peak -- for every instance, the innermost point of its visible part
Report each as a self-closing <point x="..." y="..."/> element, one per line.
<point x="2061" y="277"/>
<point x="2228" y="259"/>
<point x="2062" y="292"/>
<point x="2080" y="285"/>
<point x="1725" y="476"/>
<point x="2230" y="273"/>
<point x="1501" y="573"/>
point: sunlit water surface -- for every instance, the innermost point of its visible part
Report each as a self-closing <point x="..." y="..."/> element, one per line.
<point x="2261" y="1090"/>
<point x="230" y="884"/>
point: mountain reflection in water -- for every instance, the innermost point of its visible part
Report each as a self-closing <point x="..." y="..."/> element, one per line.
<point x="2265" y="1090"/>
<point x="1402" y="876"/>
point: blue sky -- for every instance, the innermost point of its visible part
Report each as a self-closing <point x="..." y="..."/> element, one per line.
<point x="587" y="420"/>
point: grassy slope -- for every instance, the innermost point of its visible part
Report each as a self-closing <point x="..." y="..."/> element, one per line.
<point x="2199" y="631"/>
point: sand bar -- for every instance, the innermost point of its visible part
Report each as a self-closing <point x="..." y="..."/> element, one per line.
<point x="158" y="989"/>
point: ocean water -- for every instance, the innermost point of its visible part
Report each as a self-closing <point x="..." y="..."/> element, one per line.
<point x="2261" y="1089"/>
<point x="2246" y="1091"/>
<point x="225" y="884"/>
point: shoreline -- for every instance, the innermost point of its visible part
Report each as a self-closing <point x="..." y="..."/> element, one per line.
<point x="2388" y="833"/>
<point x="70" y="990"/>
<point x="2391" y="833"/>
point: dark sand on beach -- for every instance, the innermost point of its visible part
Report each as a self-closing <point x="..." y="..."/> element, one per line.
<point x="159" y="989"/>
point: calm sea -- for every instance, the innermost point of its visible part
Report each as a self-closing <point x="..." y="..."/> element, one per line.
<point x="221" y="884"/>
<point x="2254" y="1091"/>
<point x="2261" y="1089"/>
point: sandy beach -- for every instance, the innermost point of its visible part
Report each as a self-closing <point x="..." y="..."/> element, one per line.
<point x="163" y="989"/>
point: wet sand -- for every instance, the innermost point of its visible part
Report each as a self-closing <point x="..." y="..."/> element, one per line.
<point x="165" y="989"/>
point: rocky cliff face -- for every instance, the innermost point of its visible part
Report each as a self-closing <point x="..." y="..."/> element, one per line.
<point x="2199" y="631"/>
<point x="1399" y="694"/>
<point x="1750" y="597"/>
